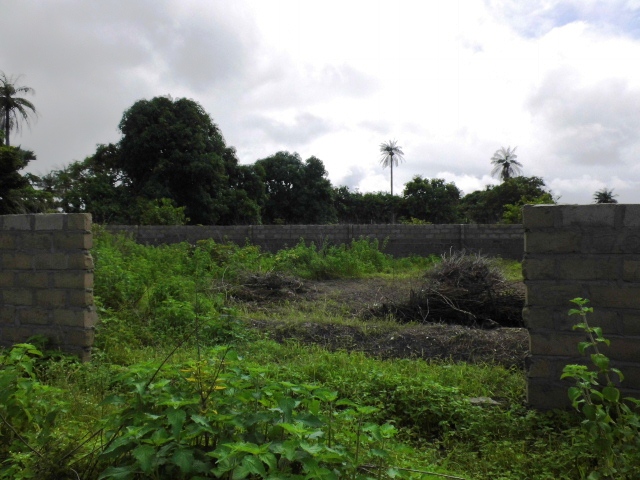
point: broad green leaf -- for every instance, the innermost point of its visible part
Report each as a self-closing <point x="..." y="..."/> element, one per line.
<point x="582" y="346"/>
<point x="589" y="411"/>
<point x="176" y="418"/>
<point x="611" y="393"/>
<point x="119" y="473"/>
<point x="145" y="455"/>
<point x="601" y="361"/>
<point x="183" y="458"/>
<point x="574" y="394"/>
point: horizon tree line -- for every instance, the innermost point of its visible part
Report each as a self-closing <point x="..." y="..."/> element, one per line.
<point x="150" y="176"/>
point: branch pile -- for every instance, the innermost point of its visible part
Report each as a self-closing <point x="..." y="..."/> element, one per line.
<point x="463" y="289"/>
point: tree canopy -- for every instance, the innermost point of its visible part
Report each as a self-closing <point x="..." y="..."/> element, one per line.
<point x="297" y="192"/>
<point x="431" y="200"/>
<point x="488" y="205"/>
<point x="13" y="108"/>
<point x="172" y="149"/>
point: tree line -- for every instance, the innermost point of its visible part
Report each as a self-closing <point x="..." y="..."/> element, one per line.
<point x="173" y="166"/>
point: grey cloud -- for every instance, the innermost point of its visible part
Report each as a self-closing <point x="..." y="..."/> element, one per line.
<point x="587" y="125"/>
<point x="304" y="129"/>
<point x="285" y="85"/>
<point x="90" y="61"/>
<point x="354" y="177"/>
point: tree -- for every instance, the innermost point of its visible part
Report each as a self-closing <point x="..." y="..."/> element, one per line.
<point x="488" y="206"/>
<point x="504" y="162"/>
<point x="431" y="200"/>
<point x="17" y="194"/>
<point x="297" y="192"/>
<point x="604" y="196"/>
<point x="391" y="153"/>
<point x="172" y="149"/>
<point x="13" y="108"/>
<point x="96" y="185"/>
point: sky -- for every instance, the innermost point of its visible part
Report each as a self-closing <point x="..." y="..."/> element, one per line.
<point x="450" y="81"/>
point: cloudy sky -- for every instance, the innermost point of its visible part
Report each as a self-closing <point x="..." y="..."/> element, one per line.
<point x="451" y="81"/>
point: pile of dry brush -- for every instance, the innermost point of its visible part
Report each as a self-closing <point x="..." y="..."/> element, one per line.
<point x="464" y="289"/>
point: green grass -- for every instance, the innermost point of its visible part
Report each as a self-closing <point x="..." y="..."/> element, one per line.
<point x="162" y="311"/>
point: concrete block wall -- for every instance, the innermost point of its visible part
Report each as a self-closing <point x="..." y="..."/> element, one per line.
<point x="588" y="251"/>
<point x="402" y="240"/>
<point x="46" y="280"/>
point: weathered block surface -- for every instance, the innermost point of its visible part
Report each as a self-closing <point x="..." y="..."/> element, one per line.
<point x="589" y="251"/>
<point x="46" y="280"/>
<point x="399" y="240"/>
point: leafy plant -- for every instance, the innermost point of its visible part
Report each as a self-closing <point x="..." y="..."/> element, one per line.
<point x="28" y="413"/>
<point x="611" y="428"/>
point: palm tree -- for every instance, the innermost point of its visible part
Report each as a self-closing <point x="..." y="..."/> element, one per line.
<point x="391" y="153"/>
<point x="13" y="107"/>
<point x="604" y="196"/>
<point x="504" y="162"/>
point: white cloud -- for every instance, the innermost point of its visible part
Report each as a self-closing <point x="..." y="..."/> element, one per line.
<point x="451" y="81"/>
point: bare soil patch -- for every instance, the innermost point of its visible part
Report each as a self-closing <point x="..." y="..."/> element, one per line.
<point x="426" y="338"/>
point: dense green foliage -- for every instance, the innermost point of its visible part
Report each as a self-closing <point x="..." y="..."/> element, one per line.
<point x="296" y="191"/>
<point x="430" y="200"/>
<point x="497" y="203"/>
<point x="179" y="388"/>
<point x="172" y="166"/>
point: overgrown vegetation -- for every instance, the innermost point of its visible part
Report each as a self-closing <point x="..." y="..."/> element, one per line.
<point x="180" y="388"/>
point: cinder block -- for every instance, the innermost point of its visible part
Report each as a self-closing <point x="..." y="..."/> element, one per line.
<point x="543" y="395"/>
<point x="34" y="316"/>
<point x="582" y="267"/>
<point x="631" y="322"/>
<point x="81" y="221"/>
<point x="17" y="222"/>
<point x="602" y="215"/>
<point x="51" y="261"/>
<point x="538" y="216"/>
<point x="7" y="315"/>
<point x="51" y="298"/>
<point x="536" y="319"/>
<point x="80" y="338"/>
<point x="609" y="320"/>
<point x="629" y="242"/>
<point x="80" y="261"/>
<point x="80" y="298"/>
<point x="50" y="221"/>
<point x="76" y="280"/>
<point x="555" y="343"/>
<point x="78" y="240"/>
<point x="614" y="296"/>
<point x="32" y="279"/>
<point x="73" y="318"/>
<point x="631" y="216"/>
<point x="542" y="367"/>
<point x="623" y="349"/>
<point x="18" y="297"/>
<point x="34" y="241"/>
<point x="17" y="261"/>
<point x="539" y="268"/>
<point x="553" y="242"/>
<point x="631" y="270"/>
<point x="552" y="294"/>
<point x="7" y="240"/>
<point x="6" y="279"/>
<point x="17" y="334"/>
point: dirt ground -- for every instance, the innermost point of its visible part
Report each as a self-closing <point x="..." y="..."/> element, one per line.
<point x="384" y="338"/>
